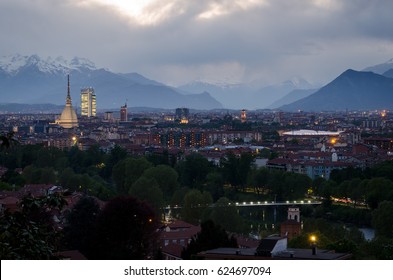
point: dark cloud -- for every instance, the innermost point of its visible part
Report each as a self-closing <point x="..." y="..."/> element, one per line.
<point x="177" y="41"/>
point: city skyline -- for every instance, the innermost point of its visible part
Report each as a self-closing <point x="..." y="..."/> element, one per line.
<point x="228" y="41"/>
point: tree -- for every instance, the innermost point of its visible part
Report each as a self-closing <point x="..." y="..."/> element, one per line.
<point x="378" y="190"/>
<point x="34" y="175"/>
<point x="222" y="210"/>
<point x="81" y="226"/>
<point x="382" y="219"/>
<point x="126" y="229"/>
<point x="8" y="140"/>
<point x="259" y="179"/>
<point x="31" y="232"/>
<point x="115" y="156"/>
<point x="193" y="170"/>
<point x="211" y="236"/>
<point x="194" y="204"/>
<point x="166" y="177"/>
<point x="127" y="171"/>
<point x="147" y="189"/>
<point x="215" y="185"/>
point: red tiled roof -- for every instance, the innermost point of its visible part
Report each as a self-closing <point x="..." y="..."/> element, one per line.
<point x="173" y="250"/>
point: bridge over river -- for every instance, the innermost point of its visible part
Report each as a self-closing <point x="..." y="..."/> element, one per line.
<point x="253" y="204"/>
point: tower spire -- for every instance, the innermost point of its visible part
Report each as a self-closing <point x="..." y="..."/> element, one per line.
<point x="68" y="99"/>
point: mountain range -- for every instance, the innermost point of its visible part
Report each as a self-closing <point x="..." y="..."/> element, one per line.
<point x="32" y="80"/>
<point x="352" y="90"/>
<point x="248" y="96"/>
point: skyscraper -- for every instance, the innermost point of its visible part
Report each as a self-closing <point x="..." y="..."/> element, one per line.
<point x="88" y="102"/>
<point x="68" y="118"/>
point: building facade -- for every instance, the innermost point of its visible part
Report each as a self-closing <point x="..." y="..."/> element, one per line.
<point x="123" y="113"/>
<point x="88" y="102"/>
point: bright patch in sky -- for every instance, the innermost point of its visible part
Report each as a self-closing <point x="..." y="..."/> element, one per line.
<point x="220" y="8"/>
<point x="139" y="11"/>
<point x="151" y="12"/>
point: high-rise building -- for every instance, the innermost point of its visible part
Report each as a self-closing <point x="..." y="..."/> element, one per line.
<point x="123" y="113"/>
<point x="68" y="118"/>
<point x="88" y="102"/>
<point x="182" y="115"/>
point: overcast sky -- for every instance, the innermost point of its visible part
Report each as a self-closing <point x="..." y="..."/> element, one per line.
<point x="176" y="41"/>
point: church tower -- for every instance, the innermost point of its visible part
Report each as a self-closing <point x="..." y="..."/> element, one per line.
<point x="68" y="118"/>
<point x="292" y="227"/>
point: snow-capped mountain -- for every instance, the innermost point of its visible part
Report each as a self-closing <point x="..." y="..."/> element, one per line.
<point x="13" y="64"/>
<point x="31" y="79"/>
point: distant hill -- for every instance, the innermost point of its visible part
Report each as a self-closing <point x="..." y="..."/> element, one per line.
<point x="291" y="97"/>
<point x="30" y="108"/>
<point x="380" y="68"/>
<point x="247" y="96"/>
<point x="352" y="90"/>
<point x="389" y="73"/>
<point x="32" y="80"/>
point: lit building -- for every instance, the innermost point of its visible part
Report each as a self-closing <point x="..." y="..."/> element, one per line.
<point x="182" y="115"/>
<point x="68" y="118"/>
<point x="244" y="116"/>
<point x="108" y="116"/>
<point x="123" y="113"/>
<point x="88" y="102"/>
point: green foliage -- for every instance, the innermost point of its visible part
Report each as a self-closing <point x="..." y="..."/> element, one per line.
<point x="148" y="190"/>
<point x="193" y="170"/>
<point x="34" y="175"/>
<point x="211" y="236"/>
<point x="81" y="226"/>
<point x="236" y="170"/>
<point x="6" y="187"/>
<point x="30" y="233"/>
<point x="222" y="211"/>
<point x="126" y="229"/>
<point x="194" y="205"/>
<point x="382" y="219"/>
<point x="343" y="246"/>
<point x="214" y="185"/>
<point x="115" y="156"/>
<point x="8" y="140"/>
<point x="127" y="171"/>
<point x="377" y="249"/>
<point x="378" y="190"/>
<point x="166" y="177"/>
<point x="330" y="235"/>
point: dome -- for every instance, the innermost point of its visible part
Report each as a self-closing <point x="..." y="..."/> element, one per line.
<point x="68" y="118"/>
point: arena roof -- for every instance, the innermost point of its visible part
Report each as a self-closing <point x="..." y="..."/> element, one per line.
<point x="306" y="132"/>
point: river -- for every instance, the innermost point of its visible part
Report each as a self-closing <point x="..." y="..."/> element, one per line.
<point x="369" y="233"/>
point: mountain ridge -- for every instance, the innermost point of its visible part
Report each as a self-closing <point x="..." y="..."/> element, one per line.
<point x="30" y="79"/>
<point x="354" y="90"/>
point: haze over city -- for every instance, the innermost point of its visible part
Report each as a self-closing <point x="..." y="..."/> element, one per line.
<point x="176" y="41"/>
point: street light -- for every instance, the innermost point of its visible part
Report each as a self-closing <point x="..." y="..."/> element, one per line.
<point x="313" y="240"/>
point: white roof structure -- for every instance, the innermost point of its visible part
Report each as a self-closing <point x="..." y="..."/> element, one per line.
<point x="306" y="132"/>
